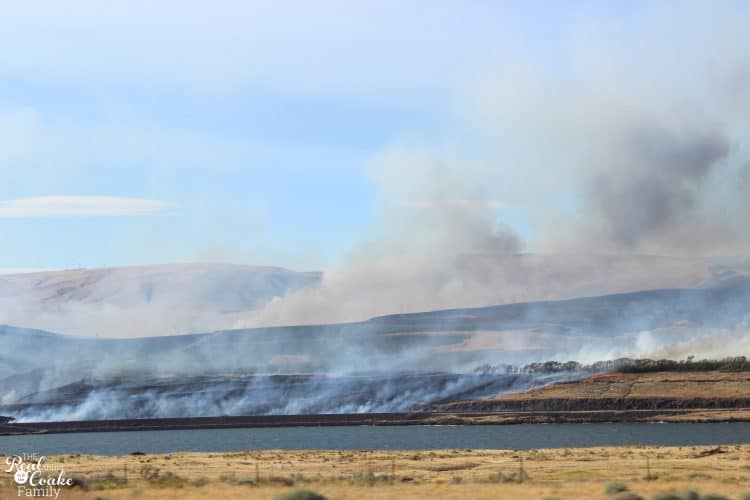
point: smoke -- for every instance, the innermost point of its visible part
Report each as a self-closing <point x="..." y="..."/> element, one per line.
<point x="392" y="363"/>
<point x="620" y="165"/>
<point x="264" y="395"/>
<point x="632" y="148"/>
<point x="142" y="300"/>
<point x="648" y="184"/>
<point x="652" y="181"/>
<point x="432" y="215"/>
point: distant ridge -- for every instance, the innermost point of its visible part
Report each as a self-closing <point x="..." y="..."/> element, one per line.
<point x="143" y="300"/>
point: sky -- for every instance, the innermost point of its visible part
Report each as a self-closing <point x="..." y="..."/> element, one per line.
<point x="254" y="132"/>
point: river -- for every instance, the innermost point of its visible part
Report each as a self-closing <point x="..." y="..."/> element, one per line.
<point x="397" y="437"/>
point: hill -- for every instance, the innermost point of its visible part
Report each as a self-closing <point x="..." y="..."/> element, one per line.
<point x="301" y="368"/>
<point x="700" y="390"/>
<point x="143" y="300"/>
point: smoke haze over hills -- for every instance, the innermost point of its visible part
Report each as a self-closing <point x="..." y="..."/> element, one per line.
<point x="145" y="300"/>
<point x="580" y="191"/>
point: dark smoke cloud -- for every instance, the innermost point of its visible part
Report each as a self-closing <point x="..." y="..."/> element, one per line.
<point x="653" y="179"/>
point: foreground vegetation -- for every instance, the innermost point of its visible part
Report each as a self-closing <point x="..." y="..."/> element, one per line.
<point x="617" y="473"/>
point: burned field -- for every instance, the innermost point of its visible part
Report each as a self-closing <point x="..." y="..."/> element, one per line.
<point x="203" y="396"/>
<point x="696" y="396"/>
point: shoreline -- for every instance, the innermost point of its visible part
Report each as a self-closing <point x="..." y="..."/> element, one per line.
<point x="693" y="415"/>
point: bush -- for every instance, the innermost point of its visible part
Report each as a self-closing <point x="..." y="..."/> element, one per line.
<point x="300" y="494"/>
<point x="612" y="488"/>
<point x="149" y="472"/>
<point x="107" y="481"/>
<point x="666" y="496"/>
<point x="201" y="481"/>
<point x="168" y="480"/>
<point x="688" y="495"/>
<point x="286" y="481"/>
<point x="626" y="495"/>
<point x="246" y="482"/>
<point x="513" y="477"/>
<point x="79" y="482"/>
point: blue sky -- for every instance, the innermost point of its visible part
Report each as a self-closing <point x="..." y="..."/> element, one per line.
<point x="253" y="127"/>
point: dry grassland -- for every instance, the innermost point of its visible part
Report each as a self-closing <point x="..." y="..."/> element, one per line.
<point x="647" y="471"/>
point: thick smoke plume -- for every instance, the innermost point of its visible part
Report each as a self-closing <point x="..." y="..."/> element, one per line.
<point x="624" y="158"/>
<point x="653" y="180"/>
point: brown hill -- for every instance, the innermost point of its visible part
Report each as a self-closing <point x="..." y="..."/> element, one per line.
<point x="626" y="391"/>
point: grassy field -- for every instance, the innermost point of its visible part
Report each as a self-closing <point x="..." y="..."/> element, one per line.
<point x="700" y="384"/>
<point x="445" y="474"/>
<point x="665" y="396"/>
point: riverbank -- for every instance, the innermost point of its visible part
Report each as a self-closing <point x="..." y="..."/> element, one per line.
<point x="697" y="415"/>
<point x="447" y="474"/>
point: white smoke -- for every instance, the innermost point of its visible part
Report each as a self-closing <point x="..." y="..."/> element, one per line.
<point x="634" y="149"/>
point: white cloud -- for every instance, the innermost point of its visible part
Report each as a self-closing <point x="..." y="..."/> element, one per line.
<point x="80" y="206"/>
<point x="456" y="203"/>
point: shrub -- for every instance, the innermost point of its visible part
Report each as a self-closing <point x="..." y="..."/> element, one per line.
<point x="201" y="481"/>
<point x="499" y="477"/>
<point x="300" y="494"/>
<point x="286" y="481"/>
<point x="512" y="477"/>
<point x="79" y="482"/>
<point x="107" y="481"/>
<point x="612" y="488"/>
<point x="688" y="495"/>
<point x="246" y="482"/>
<point x="168" y="480"/>
<point x="666" y="496"/>
<point x="149" y="472"/>
<point x="369" y="477"/>
<point x="627" y="495"/>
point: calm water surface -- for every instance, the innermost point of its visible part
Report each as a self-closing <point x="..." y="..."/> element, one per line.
<point x="412" y="437"/>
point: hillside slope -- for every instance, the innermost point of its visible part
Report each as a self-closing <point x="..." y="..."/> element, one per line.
<point x="215" y="367"/>
<point x="710" y="389"/>
<point x="143" y="300"/>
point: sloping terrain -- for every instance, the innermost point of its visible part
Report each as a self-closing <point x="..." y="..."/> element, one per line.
<point x="625" y="391"/>
<point x="143" y="300"/>
<point x="157" y="300"/>
<point x="438" y="339"/>
<point x="199" y="374"/>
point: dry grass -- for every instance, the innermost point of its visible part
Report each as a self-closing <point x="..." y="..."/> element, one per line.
<point x="704" y="384"/>
<point x="444" y="474"/>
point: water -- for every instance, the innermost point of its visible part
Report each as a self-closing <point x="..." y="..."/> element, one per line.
<point x="413" y="437"/>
